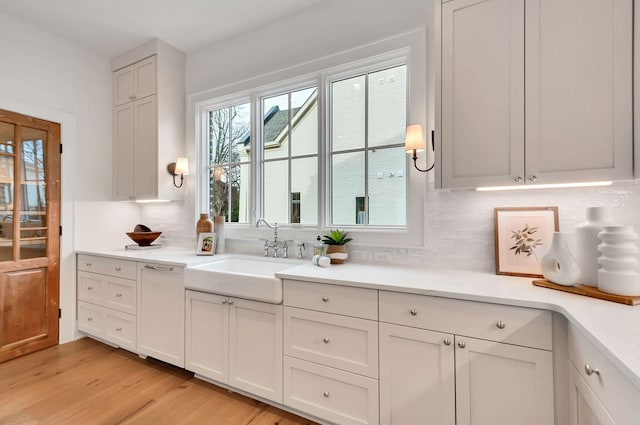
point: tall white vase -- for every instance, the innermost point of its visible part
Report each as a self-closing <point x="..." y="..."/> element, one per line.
<point x="619" y="265"/>
<point x="586" y="248"/>
<point x="558" y="265"/>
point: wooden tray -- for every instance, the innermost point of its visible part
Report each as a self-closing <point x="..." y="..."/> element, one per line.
<point x="588" y="291"/>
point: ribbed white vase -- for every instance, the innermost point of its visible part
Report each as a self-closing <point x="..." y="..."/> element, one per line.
<point x="619" y="266"/>
<point x="559" y="265"/>
<point x="586" y="247"/>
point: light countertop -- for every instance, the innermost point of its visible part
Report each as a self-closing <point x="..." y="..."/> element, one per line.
<point x="613" y="328"/>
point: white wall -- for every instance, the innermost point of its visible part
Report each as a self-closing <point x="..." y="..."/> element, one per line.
<point x="50" y="78"/>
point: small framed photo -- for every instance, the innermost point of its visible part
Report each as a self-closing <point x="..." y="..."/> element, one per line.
<point x="206" y="244"/>
<point x="523" y="236"/>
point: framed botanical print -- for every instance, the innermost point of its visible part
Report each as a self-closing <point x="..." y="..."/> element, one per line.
<point x="522" y="237"/>
<point x="206" y="243"/>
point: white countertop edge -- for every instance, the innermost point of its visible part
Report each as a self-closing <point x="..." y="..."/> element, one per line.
<point x="613" y="328"/>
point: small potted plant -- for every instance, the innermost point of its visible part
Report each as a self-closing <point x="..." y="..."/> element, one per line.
<point x="336" y="249"/>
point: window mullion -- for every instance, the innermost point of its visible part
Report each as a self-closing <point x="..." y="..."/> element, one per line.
<point x="366" y="149"/>
<point x="289" y="164"/>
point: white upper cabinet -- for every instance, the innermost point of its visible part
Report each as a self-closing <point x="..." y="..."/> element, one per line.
<point x="536" y="92"/>
<point x="134" y="81"/>
<point x="148" y="122"/>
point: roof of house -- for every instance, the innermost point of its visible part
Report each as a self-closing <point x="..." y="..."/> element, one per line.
<point x="275" y="120"/>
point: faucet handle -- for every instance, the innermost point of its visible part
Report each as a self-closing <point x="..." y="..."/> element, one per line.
<point x="301" y="247"/>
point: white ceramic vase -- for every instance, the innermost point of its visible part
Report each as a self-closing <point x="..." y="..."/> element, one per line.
<point x="218" y="228"/>
<point x="559" y="265"/>
<point x="619" y="265"/>
<point x="586" y="247"/>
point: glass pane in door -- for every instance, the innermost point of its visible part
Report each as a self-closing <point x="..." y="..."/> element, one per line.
<point x="33" y="208"/>
<point x="7" y="132"/>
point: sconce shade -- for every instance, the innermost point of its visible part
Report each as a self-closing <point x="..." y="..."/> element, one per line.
<point x="218" y="172"/>
<point x="414" y="140"/>
<point x="182" y="167"/>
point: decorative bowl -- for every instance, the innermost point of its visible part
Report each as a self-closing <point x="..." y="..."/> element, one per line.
<point x="143" y="238"/>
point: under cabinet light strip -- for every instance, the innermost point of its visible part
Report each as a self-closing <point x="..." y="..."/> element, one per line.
<point x="543" y="186"/>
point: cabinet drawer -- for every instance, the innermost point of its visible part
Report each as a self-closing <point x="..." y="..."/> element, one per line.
<point x="109" y="325"/>
<point x="109" y="266"/>
<point x="349" y="301"/>
<point x="340" y="397"/>
<point x="618" y="394"/>
<point x="345" y="343"/>
<point x="107" y="291"/>
<point x="91" y="287"/>
<point x="513" y="325"/>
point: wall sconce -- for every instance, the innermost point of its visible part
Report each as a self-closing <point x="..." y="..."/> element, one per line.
<point x="218" y="172"/>
<point x="414" y="142"/>
<point x="181" y="167"/>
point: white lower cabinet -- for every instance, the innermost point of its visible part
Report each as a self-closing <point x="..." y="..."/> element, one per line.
<point x="417" y="376"/>
<point x="446" y="377"/>
<point x="599" y="392"/>
<point x="161" y="312"/>
<point x="236" y="342"/>
<point x="502" y="384"/>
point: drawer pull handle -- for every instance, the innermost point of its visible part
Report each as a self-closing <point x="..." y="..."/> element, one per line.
<point x="119" y="295"/>
<point x="158" y="268"/>
<point x="118" y="268"/>
<point x="90" y="288"/>
<point x="500" y="325"/>
<point x="591" y="370"/>
<point x="119" y="329"/>
<point x="325" y="299"/>
<point x="89" y="264"/>
<point x="89" y="319"/>
<point x="462" y="344"/>
<point x="326" y="394"/>
<point x="447" y="341"/>
<point x="414" y="312"/>
<point x="325" y="340"/>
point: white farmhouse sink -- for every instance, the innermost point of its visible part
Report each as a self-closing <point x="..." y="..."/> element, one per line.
<point x="243" y="277"/>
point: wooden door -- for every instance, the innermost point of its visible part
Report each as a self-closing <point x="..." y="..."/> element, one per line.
<point x="502" y="384"/>
<point x="29" y="234"/>
<point x="255" y="348"/>
<point x="482" y="93"/>
<point x="579" y="86"/>
<point x="417" y="379"/>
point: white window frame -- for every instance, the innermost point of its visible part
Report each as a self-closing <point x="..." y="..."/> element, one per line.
<point x="369" y="235"/>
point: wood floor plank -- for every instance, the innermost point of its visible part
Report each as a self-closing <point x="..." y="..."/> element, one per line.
<point x="87" y="382"/>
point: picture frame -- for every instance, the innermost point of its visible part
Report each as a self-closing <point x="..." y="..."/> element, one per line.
<point x="522" y="237"/>
<point x="206" y="243"/>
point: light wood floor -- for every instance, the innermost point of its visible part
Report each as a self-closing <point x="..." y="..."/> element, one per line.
<point x="86" y="382"/>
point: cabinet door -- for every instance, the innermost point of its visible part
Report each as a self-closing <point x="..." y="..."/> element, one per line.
<point x="482" y="93"/>
<point x="144" y="75"/>
<point x="123" y="143"/>
<point x="584" y="406"/>
<point x="207" y="335"/>
<point x="145" y="152"/>
<point x="416" y="376"/>
<point x="161" y="313"/>
<point x="502" y="384"/>
<point x="578" y="90"/>
<point x="255" y="348"/>
<point x="123" y="85"/>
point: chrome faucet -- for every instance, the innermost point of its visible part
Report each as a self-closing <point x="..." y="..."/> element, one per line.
<point x="267" y="244"/>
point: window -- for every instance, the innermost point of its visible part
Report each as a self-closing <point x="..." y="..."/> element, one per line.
<point x="290" y="157"/>
<point x="329" y="155"/>
<point x="368" y="122"/>
<point x="229" y="162"/>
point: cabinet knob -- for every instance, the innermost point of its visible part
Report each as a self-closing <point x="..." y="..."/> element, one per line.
<point x="591" y="370"/>
<point x="230" y="302"/>
<point x="462" y="344"/>
<point x="326" y="394"/>
<point x="118" y="329"/>
<point x="413" y="312"/>
<point x="500" y="325"/>
<point x="447" y="341"/>
<point x="119" y="295"/>
<point x="517" y="179"/>
<point x="90" y="288"/>
<point x="325" y="299"/>
<point x="223" y="302"/>
<point x="118" y="268"/>
<point x="325" y="340"/>
<point x="533" y="178"/>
